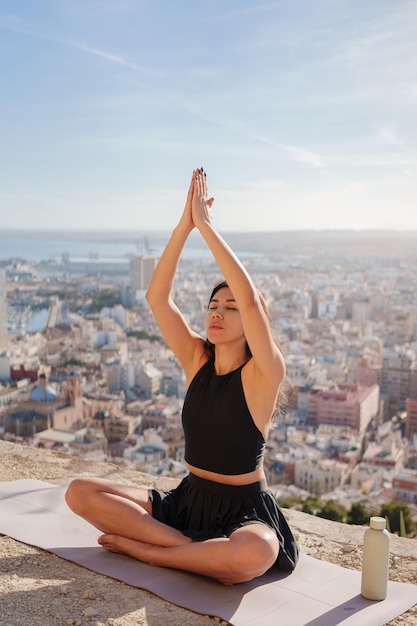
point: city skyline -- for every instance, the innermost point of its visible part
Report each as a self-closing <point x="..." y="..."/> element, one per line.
<point x="303" y="114"/>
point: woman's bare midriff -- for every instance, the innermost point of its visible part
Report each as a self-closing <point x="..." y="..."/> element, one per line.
<point x="228" y="479"/>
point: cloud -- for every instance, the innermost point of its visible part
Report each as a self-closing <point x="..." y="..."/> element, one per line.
<point x="17" y="27"/>
<point x="389" y="136"/>
<point x="355" y="204"/>
<point x="108" y="56"/>
<point x="301" y="155"/>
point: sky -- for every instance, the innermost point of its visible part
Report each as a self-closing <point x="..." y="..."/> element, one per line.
<point x="302" y="112"/>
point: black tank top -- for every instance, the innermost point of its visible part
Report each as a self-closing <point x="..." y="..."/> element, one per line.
<point x="220" y="434"/>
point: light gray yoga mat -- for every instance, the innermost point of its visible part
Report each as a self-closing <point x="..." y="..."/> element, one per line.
<point x="315" y="594"/>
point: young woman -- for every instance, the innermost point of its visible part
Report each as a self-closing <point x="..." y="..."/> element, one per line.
<point x="222" y="520"/>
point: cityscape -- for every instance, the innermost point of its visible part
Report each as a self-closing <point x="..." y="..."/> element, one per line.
<point x="84" y="370"/>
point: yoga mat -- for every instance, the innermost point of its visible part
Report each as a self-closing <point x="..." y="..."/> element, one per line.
<point x="317" y="593"/>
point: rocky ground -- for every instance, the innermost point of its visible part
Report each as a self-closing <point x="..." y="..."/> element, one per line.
<point x="39" y="589"/>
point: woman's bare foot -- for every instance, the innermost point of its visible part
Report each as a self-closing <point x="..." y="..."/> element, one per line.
<point x="116" y="543"/>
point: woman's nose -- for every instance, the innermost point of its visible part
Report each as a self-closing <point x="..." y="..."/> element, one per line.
<point x="216" y="313"/>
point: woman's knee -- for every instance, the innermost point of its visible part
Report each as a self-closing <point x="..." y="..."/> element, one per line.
<point x="78" y="493"/>
<point x="256" y="551"/>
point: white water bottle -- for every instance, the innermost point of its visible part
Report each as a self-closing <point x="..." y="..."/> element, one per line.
<point x="375" y="561"/>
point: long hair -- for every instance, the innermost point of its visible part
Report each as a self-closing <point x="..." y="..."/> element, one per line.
<point x="282" y="402"/>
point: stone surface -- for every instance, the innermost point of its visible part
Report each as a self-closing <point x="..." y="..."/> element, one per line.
<point x="40" y="589"/>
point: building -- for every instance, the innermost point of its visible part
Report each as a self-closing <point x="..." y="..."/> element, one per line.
<point x="366" y="477"/>
<point x="148" y="379"/>
<point x="405" y="486"/>
<point x="368" y="373"/>
<point x="141" y="271"/>
<point x="361" y="311"/>
<point x="149" y="449"/>
<point x="105" y="403"/>
<point x="320" y="475"/>
<point x="120" y="427"/>
<point x="112" y="369"/>
<point x="302" y="370"/>
<point x="343" y="405"/>
<point x="389" y="456"/>
<point x="397" y="367"/>
<point x="411" y="418"/>
<point x="26" y="422"/>
<point x="3" y="313"/>
<point x="46" y="409"/>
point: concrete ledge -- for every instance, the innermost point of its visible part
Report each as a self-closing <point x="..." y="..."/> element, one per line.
<point x="54" y="592"/>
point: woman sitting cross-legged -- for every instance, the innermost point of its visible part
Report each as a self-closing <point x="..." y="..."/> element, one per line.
<point x="222" y="520"/>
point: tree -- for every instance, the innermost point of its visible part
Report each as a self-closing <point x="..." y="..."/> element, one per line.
<point x="392" y="510"/>
<point x="333" y="511"/>
<point x="289" y="502"/>
<point x="105" y="298"/>
<point x="358" y="514"/>
<point x="311" y="505"/>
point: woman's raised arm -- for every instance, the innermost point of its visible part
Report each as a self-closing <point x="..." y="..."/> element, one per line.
<point x="266" y="354"/>
<point x="181" y="339"/>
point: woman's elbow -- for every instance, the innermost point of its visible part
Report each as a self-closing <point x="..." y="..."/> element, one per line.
<point x="151" y="296"/>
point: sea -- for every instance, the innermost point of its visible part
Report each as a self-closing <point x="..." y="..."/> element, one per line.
<point x="45" y="247"/>
<point x="37" y="246"/>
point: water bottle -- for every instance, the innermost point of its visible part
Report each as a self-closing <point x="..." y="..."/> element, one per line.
<point x="375" y="561"/>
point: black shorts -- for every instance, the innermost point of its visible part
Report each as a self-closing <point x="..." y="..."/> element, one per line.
<point x="203" y="509"/>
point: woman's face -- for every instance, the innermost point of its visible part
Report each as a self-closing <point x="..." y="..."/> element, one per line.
<point x="223" y="320"/>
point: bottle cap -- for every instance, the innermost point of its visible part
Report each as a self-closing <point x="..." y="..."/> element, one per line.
<point x="377" y="523"/>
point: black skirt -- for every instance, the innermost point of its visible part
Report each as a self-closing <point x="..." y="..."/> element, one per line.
<point x="203" y="509"/>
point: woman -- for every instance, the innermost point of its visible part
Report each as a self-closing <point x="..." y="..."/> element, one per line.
<point x="221" y="521"/>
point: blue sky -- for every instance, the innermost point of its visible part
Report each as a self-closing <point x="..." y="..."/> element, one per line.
<point x="303" y="112"/>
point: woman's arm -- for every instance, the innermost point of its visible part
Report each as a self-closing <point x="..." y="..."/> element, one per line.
<point x="181" y="339"/>
<point x="267" y="357"/>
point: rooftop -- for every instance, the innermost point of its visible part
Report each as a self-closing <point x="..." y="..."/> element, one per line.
<point x="52" y="590"/>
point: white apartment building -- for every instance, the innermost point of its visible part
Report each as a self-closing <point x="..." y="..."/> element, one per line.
<point x="364" y="477"/>
<point x="141" y="271"/>
<point x="302" y="369"/>
<point x="148" y="378"/>
<point x="320" y="475"/>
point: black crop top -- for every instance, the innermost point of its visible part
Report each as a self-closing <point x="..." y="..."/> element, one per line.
<point x="220" y="434"/>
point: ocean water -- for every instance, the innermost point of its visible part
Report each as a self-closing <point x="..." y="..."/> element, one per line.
<point x="37" y="321"/>
<point x="47" y="249"/>
<point x="36" y="247"/>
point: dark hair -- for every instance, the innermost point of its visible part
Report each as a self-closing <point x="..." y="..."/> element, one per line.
<point x="282" y="404"/>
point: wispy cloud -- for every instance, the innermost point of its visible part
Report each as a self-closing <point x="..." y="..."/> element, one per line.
<point x="295" y="152"/>
<point x="11" y="24"/>
<point x="108" y="56"/>
<point x="389" y="136"/>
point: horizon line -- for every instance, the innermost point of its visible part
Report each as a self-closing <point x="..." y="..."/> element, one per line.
<point x="403" y="230"/>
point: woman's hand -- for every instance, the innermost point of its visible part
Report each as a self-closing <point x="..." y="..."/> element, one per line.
<point x="186" y="220"/>
<point x="201" y="203"/>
